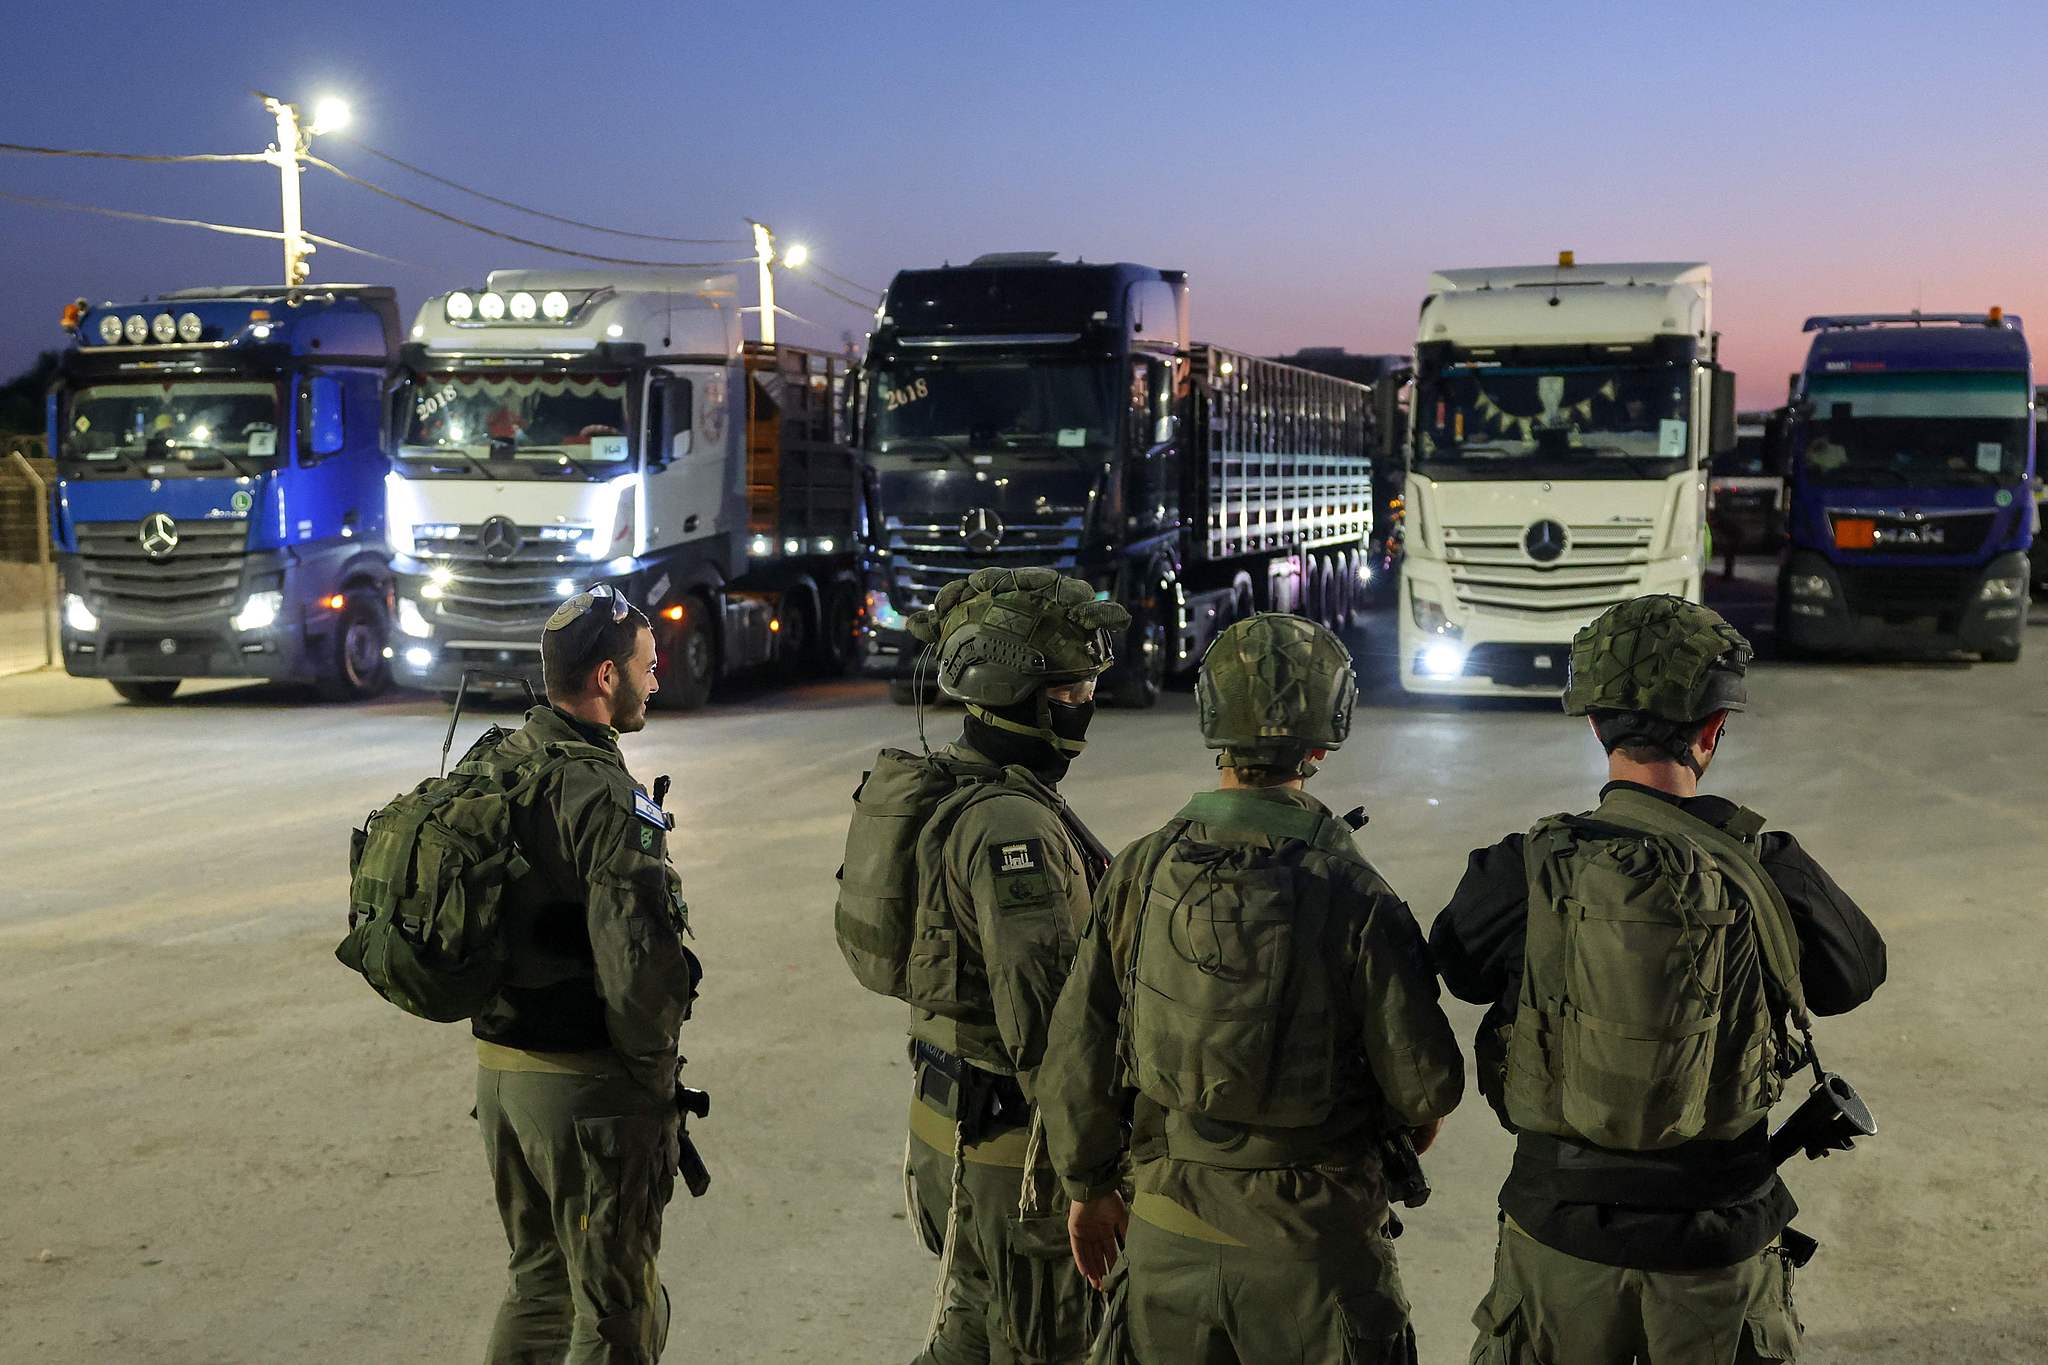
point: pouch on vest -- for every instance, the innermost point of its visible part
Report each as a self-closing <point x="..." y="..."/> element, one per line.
<point x="432" y="877"/>
<point x="875" y="917"/>
<point x="1229" y="1000"/>
<point x="1643" y="1020"/>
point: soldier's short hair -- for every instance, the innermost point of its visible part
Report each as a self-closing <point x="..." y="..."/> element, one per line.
<point x="585" y="631"/>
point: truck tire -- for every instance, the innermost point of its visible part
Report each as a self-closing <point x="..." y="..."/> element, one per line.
<point x="355" y="668"/>
<point x="1350" y="592"/>
<point x="840" y="642"/>
<point x="686" y="664"/>
<point x="796" y="634"/>
<point x="148" y="691"/>
<point x="1136" y="680"/>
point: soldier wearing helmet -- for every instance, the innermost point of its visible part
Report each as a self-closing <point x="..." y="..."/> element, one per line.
<point x="1259" y="1003"/>
<point x="1004" y="872"/>
<point x="1643" y="1216"/>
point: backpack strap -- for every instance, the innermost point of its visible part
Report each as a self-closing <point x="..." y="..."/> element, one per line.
<point x="1733" y="853"/>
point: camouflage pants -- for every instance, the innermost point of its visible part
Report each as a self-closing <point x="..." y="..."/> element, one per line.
<point x="584" y="1166"/>
<point x="1012" y="1295"/>
<point x="1187" y="1301"/>
<point x="1547" y="1308"/>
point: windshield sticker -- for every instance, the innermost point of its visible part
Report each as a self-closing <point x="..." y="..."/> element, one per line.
<point x="607" y="447"/>
<point x="1671" y="436"/>
<point x="82" y="425"/>
<point x="1073" y="436"/>
<point x="241" y="501"/>
<point x="908" y="394"/>
<point x="2004" y="498"/>
<point x="262" y="442"/>
<point x="1990" y="456"/>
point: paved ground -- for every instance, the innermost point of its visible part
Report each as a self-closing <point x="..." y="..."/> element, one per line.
<point x="221" y="1148"/>
<point x="22" y="642"/>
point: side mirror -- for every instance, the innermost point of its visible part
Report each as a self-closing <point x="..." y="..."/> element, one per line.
<point x="320" y="417"/>
<point x="1721" y="435"/>
<point x="678" y="419"/>
<point x="1165" y="430"/>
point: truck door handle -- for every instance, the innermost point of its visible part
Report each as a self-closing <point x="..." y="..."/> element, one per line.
<point x="690" y="523"/>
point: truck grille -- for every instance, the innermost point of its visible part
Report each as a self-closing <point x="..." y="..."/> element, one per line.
<point x="202" y="575"/>
<point x="1601" y="565"/>
<point x="924" y="558"/>
<point x="1934" y="533"/>
<point x="503" y="588"/>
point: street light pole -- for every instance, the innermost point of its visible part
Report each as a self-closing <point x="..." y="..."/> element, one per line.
<point x="294" y="141"/>
<point x="284" y="154"/>
<point x="764" y="257"/>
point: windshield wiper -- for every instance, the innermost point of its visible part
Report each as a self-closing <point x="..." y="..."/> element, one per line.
<point x="206" y="447"/>
<point x="585" y="470"/>
<point x="1849" y="474"/>
<point x="943" y="445"/>
<point x="431" y="453"/>
<point x="1638" y="464"/>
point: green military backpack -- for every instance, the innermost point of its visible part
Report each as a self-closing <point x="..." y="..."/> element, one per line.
<point x="431" y="883"/>
<point x="875" y="917"/>
<point x="1651" y="1008"/>
<point x="1228" y="1001"/>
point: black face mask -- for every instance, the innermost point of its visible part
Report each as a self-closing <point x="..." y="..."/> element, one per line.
<point x="1030" y="752"/>
<point x="1070" y="721"/>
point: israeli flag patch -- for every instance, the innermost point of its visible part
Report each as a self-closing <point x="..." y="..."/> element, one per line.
<point x="644" y="807"/>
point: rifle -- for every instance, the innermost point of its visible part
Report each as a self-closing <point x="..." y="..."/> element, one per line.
<point x="1829" y="1119"/>
<point x="689" y="1165"/>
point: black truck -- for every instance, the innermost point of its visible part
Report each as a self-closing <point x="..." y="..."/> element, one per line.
<point x="1024" y="410"/>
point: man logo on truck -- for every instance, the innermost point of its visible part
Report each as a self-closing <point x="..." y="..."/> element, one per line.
<point x="159" y="535"/>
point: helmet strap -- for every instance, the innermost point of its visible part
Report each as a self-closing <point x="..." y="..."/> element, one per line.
<point x="1042" y="731"/>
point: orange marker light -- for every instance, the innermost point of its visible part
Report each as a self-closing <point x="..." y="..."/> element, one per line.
<point x="1996" y="317"/>
<point x="74" y="313"/>
<point x="334" y="603"/>
<point x="1566" y="260"/>
<point x="674" y="613"/>
<point x="774" y="625"/>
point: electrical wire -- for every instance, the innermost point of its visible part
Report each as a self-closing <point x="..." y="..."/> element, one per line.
<point x="226" y="228"/>
<point x="425" y="174"/>
<point x="432" y="212"/>
<point x="24" y="149"/>
<point x="826" y="288"/>
<point x="854" y="285"/>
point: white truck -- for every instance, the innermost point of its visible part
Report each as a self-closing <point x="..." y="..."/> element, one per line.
<point x="558" y="429"/>
<point x="1561" y="427"/>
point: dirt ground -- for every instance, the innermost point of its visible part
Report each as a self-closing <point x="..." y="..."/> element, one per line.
<point x="220" y="1147"/>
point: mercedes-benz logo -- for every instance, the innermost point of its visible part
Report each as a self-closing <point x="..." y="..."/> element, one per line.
<point x="499" y="538"/>
<point x="1546" y="541"/>
<point x="159" y="535"/>
<point x="982" y="530"/>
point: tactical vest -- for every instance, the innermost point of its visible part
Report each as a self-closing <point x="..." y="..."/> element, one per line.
<point x="1651" y="1007"/>
<point x="435" y="877"/>
<point x="1228" y="1000"/>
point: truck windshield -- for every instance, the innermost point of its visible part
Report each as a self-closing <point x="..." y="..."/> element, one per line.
<point x="930" y="409"/>
<point x="520" y="424"/>
<point x="179" y="428"/>
<point x="1917" y="429"/>
<point x="1553" y="422"/>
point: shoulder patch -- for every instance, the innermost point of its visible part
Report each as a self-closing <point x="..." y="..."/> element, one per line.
<point x="1017" y="857"/>
<point x="644" y="807"/>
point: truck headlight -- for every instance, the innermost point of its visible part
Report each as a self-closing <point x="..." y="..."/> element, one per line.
<point x="411" y="620"/>
<point x="2001" y="590"/>
<point x="259" y="612"/>
<point x="883" y="614"/>
<point x="78" y="616"/>
<point x="1442" y="659"/>
<point x="1429" y="615"/>
<point x="1811" y="585"/>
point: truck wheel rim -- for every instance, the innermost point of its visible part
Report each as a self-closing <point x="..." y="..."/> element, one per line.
<point x="360" y="651"/>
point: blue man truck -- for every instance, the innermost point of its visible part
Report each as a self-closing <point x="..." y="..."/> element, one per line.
<point x="1912" y="463"/>
<point x="219" y="504"/>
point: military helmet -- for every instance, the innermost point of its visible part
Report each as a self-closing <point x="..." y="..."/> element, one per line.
<point x="1004" y="634"/>
<point x="1273" y="687"/>
<point x="1659" y="656"/>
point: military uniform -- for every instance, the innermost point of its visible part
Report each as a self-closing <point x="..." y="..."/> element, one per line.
<point x="1004" y="875"/>
<point x="577" y="1058"/>
<point x="1673" y="1254"/>
<point x="1263" y="1239"/>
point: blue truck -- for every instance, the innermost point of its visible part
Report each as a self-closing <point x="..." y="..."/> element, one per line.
<point x="219" y="504"/>
<point x="1911" y="438"/>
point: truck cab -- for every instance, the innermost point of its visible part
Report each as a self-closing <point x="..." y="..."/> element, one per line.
<point x="1912" y="467"/>
<point x="1022" y="410"/>
<point x="1561" y="424"/>
<point x="219" y="505"/>
<point x="554" y="430"/>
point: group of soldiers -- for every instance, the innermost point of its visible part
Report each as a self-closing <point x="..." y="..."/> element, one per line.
<point x="1162" y="1100"/>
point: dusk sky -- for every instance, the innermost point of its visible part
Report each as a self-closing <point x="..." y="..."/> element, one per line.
<point x="1307" y="164"/>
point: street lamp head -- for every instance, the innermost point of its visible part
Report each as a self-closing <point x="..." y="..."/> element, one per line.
<point x="795" y="255"/>
<point x="330" y="115"/>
